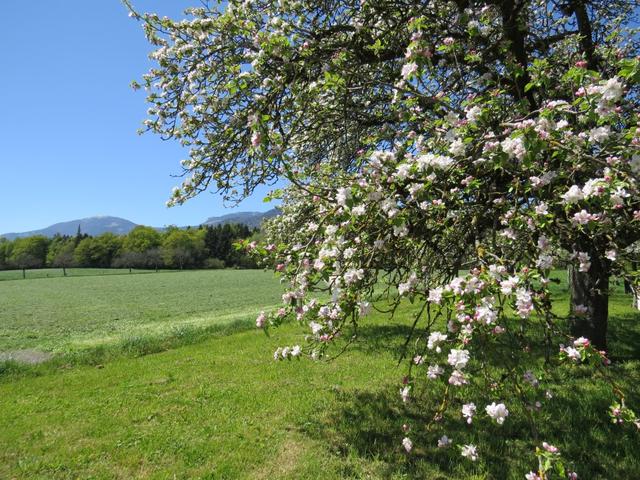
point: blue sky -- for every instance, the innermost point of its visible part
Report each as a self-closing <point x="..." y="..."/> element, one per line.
<point x="68" y="142"/>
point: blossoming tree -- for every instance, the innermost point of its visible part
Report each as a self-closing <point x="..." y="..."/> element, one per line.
<point x="454" y="152"/>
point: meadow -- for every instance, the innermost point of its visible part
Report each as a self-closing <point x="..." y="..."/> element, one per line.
<point x="71" y="272"/>
<point x="79" y="312"/>
<point x="220" y="407"/>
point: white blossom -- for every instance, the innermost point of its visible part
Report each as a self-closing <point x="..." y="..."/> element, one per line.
<point x="458" y="358"/>
<point x="342" y="195"/>
<point x="435" y="339"/>
<point x="435" y="295"/>
<point x="473" y="114"/>
<point x="585" y="262"/>
<point x="444" y="442"/>
<point x="573" y="195"/>
<point x="470" y="451"/>
<point x="434" y="371"/>
<point x="612" y="90"/>
<point x="497" y="412"/>
<point x="405" y="393"/>
<point x="468" y="411"/>
<point x="599" y="134"/>
<point x="514" y="147"/>
<point x="572" y="353"/>
<point x="457" y="148"/>
<point x="507" y="286"/>
<point x="407" y="444"/>
<point x="353" y="275"/>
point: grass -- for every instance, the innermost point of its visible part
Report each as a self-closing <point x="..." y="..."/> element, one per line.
<point x="78" y="313"/>
<point x="222" y="408"/>
<point x="71" y="272"/>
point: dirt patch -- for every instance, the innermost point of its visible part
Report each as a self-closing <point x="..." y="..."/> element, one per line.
<point x="28" y="356"/>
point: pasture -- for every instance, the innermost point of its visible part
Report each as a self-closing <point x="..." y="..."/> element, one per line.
<point x="68" y="314"/>
<point x="222" y="408"/>
<point x="71" y="272"/>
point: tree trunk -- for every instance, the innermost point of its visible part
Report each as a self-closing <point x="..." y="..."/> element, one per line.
<point x="64" y="271"/>
<point x="590" y="289"/>
<point x="635" y="292"/>
<point x="24" y="273"/>
<point x="633" y="289"/>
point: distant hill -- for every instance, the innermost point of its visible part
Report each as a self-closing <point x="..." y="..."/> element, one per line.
<point x="251" y="219"/>
<point x="120" y="226"/>
<point x="92" y="226"/>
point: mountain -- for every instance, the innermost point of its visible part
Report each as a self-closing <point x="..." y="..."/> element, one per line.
<point x="92" y="225"/>
<point x="120" y="226"/>
<point x="251" y="219"/>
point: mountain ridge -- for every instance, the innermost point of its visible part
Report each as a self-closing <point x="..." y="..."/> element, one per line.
<point x="100" y="224"/>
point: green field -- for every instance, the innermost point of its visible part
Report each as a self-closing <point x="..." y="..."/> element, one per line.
<point x="71" y="272"/>
<point x="222" y="408"/>
<point x="78" y="312"/>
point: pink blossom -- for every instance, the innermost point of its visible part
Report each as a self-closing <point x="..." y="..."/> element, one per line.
<point x="524" y="302"/>
<point x="580" y="310"/>
<point x="457" y="378"/>
<point x="581" y="342"/>
<point x="583" y="217"/>
<point x="409" y="69"/>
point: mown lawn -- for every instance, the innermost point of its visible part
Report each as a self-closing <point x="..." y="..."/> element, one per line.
<point x="84" y="312"/>
<point x="222" y="408"/>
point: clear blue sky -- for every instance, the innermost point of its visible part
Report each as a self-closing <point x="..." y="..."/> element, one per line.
<point x="68" y="142"/>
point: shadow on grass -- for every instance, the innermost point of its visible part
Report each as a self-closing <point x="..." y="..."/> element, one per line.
<point x="365" y="427"/>
<point x="624" y="336"/>
<point x="382" y="338"/>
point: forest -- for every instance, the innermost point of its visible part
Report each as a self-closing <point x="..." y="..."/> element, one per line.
<point x="205" y="246"/>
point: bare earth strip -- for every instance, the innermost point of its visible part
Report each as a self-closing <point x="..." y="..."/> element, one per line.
<point x="29" y="356"/>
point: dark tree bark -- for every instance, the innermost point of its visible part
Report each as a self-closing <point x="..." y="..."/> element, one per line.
<point x="578" y="7"/>
<point x="591" y="289"/>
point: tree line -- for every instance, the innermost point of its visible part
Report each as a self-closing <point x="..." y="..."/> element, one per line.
<point x="143" y="247"/>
